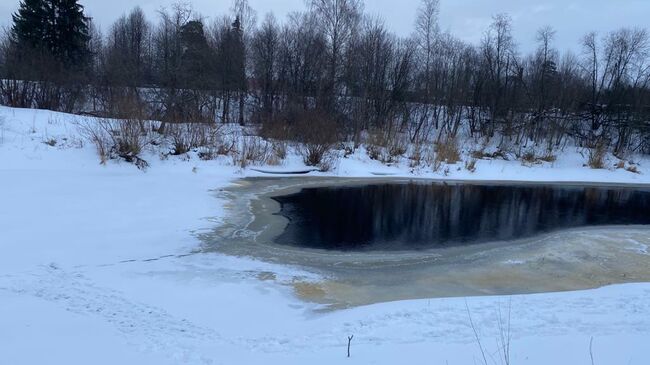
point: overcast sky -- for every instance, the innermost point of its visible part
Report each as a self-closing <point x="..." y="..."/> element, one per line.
<point x="467" y="19"/>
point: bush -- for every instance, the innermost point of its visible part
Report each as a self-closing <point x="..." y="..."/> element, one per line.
<point x="415" y="159"/>
<point x="279" y="128"/>
<point x="548" y="157"/>
<point x="125" y="139"/>
<point x="471" y="165"/>
<point x="318" y="134"/>
<point x="529" y="157"/>
<point x="597" y="157"/>
<point x="313" y="153"/>
<point x="188" y="136"/>
<point x="253" y="150"/>
<point x="448" y="151"/>
<point x="386" y="146"/>
<point x="98" y="136"/>
<point x="280" y="150"/>
<point x="479" y="154"/>
<point x="129" y="137"/>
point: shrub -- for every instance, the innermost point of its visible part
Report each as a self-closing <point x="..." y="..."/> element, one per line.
<point x="447" y="151"/>
<point x="124" y="138"/>
<point x="253" y="150"/>
<point x="386" y="146"/>
<point x="313" y="153"/>
<point x="374" y="152"/>
<point x="188" y="136"/>
<point x="470" y="165"/>
<point x="479" y="154"/>
<point x="280" y="150"/>
<point x="279" y="128"/>
<point x="529" y="157"/>
<point x="416" y="156"/>
<point x="597" y="157"/>
<point x="548" y="157"/>
<point x="128" y="137"/>
<point x="98" y="136"/>
<point x="318" y="134"/>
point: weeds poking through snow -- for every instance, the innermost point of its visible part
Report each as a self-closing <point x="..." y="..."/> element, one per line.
<point x="448" y="151"/>
<point x="597" y="157"/>
<point x="114" y="139"/>
<point x="471" y="165"/>
<point x="50" y="142"/>
<point x="253" y="150"/>
<point x="504" y="336"/>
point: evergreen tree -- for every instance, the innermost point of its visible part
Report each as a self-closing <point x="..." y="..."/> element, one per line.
<point x="195" y="59"/>
<point x="30" y="23"/>
<point x="58" y="27"/>
<point x="70" y="32"/>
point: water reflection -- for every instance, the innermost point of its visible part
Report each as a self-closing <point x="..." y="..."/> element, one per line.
<point x="420" y="216"/>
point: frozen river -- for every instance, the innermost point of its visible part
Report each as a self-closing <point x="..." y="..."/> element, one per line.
<point x="383" y="240"/>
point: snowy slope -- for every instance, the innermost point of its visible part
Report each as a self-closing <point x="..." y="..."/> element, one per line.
<point x="99" y="265"/>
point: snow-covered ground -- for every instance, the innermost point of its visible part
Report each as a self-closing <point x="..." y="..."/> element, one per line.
<point x="100" y="265"/>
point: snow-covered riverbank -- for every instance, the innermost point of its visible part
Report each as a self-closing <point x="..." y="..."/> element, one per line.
<point x="100" y="265"/>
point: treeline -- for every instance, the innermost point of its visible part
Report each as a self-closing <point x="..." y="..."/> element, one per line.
<point x="332" y="72"/>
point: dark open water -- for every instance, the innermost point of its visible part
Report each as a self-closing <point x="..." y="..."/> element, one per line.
<point x="418" y="216"/>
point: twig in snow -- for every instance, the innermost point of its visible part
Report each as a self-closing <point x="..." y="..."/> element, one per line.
<point x="476" y="335"/>
<point x="349" y="341"/>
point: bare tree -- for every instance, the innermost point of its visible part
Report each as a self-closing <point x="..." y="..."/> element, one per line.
<point x="265" y="48"/>
<point x="499" y="57"/>
<point x="339" y="20"/>
<point x="427" y="34"/>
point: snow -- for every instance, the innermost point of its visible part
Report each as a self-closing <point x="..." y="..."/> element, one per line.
<point x="102" y="265"/>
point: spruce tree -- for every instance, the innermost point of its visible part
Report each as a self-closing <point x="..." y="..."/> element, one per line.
<point x="30" y="23"/>
<point x="70" y="32"/>
<point x="58" y="27"/>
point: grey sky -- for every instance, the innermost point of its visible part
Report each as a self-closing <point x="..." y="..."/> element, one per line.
<point x="466" y="19"/>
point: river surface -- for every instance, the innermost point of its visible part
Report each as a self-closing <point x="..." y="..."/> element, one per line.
<point x="417" y="215"/>
<point x="379" y="240"/>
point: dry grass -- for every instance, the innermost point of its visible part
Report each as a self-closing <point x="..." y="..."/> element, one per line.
<point x="415" y="158"/>
<point x="188" y="136"/>
<point x="448" y="151"/>
<point x="253" y="151"/>
<point x="597" y="157"/>
<point x="548" y="157"/>
<point x="386" y="146"/>
<point x="98" y="136"/>
<point x="479" y="154"/>
<point x="529" y="157"/>
<point x="280" y="150"/>
<point x="470" y="165"/>
<point x="123" y="138"/>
